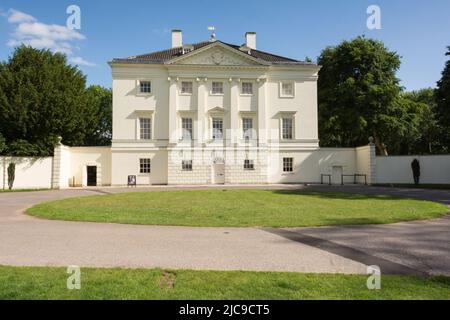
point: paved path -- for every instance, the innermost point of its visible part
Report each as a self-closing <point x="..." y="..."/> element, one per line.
<point x="412" y="248"/>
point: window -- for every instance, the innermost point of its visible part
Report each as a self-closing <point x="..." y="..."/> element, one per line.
<point x="145" y="87"/>
<point x="249" y="165"/>
<point x="186" y="165"/>
<point x="217" y="88"/>
<point x="145" y="125"/>
<point x="186" y="125"/>
<point x="144" y="165"/>
<point x="287" y="128"/>
<point x="288" y="164"/>
<point x="287" y="89"/>
<point x="217" y="125"/>
<point x="247" y="127"/>
<point x="186" y="87"/>
<point x="247" y="88"/>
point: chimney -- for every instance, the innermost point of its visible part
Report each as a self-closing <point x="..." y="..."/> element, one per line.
<point x="177" y="39"/>
<point x="250" y="40"/>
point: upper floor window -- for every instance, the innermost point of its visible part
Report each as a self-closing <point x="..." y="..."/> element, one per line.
<point x="144" y="165"/>
<point x="217" y="87"/>
<point x="287" y="89"/>
<point x="217" y="126"/>
<point x="247" y="128"/>
<point x="288" y="164"/>
<point x="247" y="88"/>
<point x="287" y="130"/>
<point x="186" y="126"/>
<point x="145" y="87"/>
<point x="145" y="128"/>
<point x="186" y="87"/>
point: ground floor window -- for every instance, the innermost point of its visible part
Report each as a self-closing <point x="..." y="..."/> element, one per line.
<point x="186" y="165"/>
<point x="144" y="165"/>
<point x="288" y="164"/>
<point x="249" y="165"/>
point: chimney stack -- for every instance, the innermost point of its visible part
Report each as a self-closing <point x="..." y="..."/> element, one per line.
<point x="177" y="38"/>
<point x="250" y="40"/>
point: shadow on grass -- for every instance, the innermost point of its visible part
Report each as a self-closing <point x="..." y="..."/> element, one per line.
<point x="336" y="195"/>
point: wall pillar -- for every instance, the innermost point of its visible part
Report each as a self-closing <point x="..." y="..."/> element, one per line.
<point x="56" y="166"/>
<point x="372" y="178"/>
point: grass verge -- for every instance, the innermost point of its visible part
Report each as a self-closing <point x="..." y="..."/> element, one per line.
<point x="155" y="284"/>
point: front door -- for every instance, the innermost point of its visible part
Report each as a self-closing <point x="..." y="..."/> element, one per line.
<point x="91" y="176"/>
<point x="219" y="173"/>
<point x="337" y="174"/>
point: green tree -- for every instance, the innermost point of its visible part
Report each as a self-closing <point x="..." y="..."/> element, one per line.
<point x="428" y="141"/>
<point x="11" y="175"/>
<point x="2" y="144"/>
<point x="100" y="100"/>
<point x="42" y="97"/>
<point x="443" y="104"/>
<point x="358" y="94"/>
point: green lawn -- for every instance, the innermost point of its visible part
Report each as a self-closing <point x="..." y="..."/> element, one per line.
<point x="50" y="283"/>
<point x="239" y="208"/>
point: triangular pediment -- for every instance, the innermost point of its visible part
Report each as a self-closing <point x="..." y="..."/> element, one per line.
<point x="217" y="54"/>
<point x="217" y="110"/>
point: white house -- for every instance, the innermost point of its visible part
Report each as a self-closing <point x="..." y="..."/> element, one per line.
<point x="210" y="113"/>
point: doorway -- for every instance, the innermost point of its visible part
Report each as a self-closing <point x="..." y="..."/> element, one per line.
<point x="91" y="176"/>
<point x="337" y="172"/>
<point x="218" y="173"/>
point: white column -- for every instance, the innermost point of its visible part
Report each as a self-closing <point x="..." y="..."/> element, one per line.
<point x="173" y="99"/>
<point x="262" y="112"/>
<point x="201" y="111"/>
<point x="234" y="111"/>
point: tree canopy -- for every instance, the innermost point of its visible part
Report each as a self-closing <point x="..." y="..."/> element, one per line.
<point x="360" y="97"/>
<point x="443" y="103"/>
<point x="43" y="97"/>
<point x="358" y="93"/>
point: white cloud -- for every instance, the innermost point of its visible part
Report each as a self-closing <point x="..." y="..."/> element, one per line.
<point x="15" y="16"/>
<point x="81" y="62"/>
<point x="29" y="31"/>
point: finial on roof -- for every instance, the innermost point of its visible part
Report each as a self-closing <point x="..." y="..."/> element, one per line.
<point x="213" y="34"/>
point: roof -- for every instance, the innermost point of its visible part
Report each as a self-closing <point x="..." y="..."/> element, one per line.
<point x="169" y="54"/>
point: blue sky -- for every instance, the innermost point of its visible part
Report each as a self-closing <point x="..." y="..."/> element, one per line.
<point x="417" y="30"/>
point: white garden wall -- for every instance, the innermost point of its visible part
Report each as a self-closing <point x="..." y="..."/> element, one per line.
<point x="31" y="173"/>
<point x="397" y="169"/>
